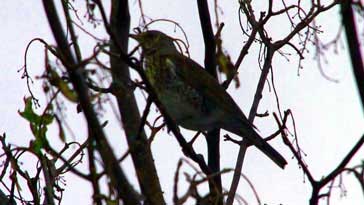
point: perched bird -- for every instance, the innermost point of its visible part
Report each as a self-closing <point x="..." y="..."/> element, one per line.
<point x="191" y="96"/>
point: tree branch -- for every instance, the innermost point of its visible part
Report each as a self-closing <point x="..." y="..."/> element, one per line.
<point x="213" y="136"/>
<point x="114" y="171"/>
<point x="348" y="20"/>
<point x="137" y="140"/>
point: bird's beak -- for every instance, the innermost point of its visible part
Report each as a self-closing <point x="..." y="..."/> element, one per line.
<point x="135" y="36"/>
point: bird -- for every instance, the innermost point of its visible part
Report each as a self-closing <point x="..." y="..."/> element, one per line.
<point x="192" y="97"/>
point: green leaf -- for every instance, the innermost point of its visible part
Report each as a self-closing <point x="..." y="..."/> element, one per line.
<point x="225" y="64"/>
<point x="32" y="117"/>
<point x="36" y="146"/>
<point x="57" y="81"/>
<point x="28" y="112"/>
<point x="38" y="124"/>
<point x="62" y="136"/>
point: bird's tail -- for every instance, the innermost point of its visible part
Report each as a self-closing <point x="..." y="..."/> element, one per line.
<point x="261" y="144"/>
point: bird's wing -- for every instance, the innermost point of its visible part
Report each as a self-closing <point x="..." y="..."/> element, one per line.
<point x="194" y="75"/>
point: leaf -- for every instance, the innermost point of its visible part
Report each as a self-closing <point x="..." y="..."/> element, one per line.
<point x="38" y="125"/>
<point x="60" y="128"/>
<point x="225" y="65"/>
<point x="36" y="146"/>
<point x="61" y="84"/>
<point x="32" y="117"/>
<point x="111" y="202"/>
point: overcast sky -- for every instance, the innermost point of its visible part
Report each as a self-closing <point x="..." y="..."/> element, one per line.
<point x="328" y="115"/>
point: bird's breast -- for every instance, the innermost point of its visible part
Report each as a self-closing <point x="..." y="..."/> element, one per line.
<point x="183" y="103"/>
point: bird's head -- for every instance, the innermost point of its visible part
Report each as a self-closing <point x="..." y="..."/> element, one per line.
<point x="155" y="41"/>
